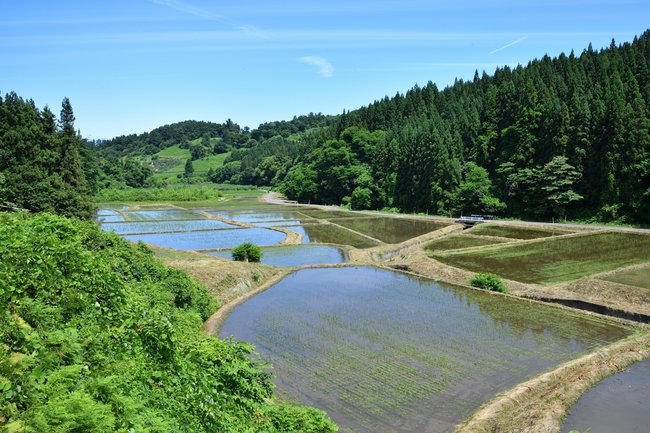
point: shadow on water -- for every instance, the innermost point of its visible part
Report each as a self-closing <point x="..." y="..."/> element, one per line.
<point x="381" y="351"/>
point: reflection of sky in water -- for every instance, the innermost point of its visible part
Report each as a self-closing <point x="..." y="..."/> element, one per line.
<point x="161" y="214"/>
<point x="110" y="218"/>
<point x="618" y="404"/>
<point x="385" y="352"/>
<point x="166" y="226"/>
<point x="257" y="217"/>
<point x="104" y="212"/>
<point x="213" y="239"/>
<point x="298" y="255"/>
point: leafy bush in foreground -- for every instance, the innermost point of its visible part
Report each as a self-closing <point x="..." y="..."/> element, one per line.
<point x="96" y="335"/>
<point x="488" y="281"/>
<point x="247" y="252"/>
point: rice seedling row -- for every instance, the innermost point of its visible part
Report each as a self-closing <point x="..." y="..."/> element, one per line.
<point x="555" y="260"/>
<point x="390" y="230"/>
<point x="385" y="352"/>
<point x="514" y="232"/>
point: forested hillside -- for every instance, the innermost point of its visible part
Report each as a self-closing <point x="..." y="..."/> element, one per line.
<point x="97" y="336"/>
<point x="560" y="136"/>
<point x="160" y="138"/>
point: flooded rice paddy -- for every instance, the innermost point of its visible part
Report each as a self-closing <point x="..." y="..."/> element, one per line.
<point x="165" y="226"/>
<point x="331" y="234"/>
<point x="206" y="240"/>
<point x="522" y="233"/>
<point x="254" y="217"/>
<point x="297" y="255"/>
<point x="639" y="277"/>
<point x="390" y="229"/>
<point x="381" y="351"/>
<point x="619" y="403"/>
<point x="160" y="215"/>
<point x="458" y="241"/>
<point x="556" y="259"/>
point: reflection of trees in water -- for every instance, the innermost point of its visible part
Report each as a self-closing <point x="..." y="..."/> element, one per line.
<point x="521" y="317"/>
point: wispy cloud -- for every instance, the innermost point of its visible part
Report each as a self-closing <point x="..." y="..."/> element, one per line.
<point x="189" y="9"/>
<point x="325" y="68"/>
<point x="508" y="45"/>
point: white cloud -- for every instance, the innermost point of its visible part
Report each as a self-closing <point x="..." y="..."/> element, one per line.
<point x="188" y="9"/>
<point x="325" y="68"/>
<point x="508" y="45"/>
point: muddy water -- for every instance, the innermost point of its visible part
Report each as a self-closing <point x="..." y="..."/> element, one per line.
<point x="620" y="403"/>
<point x="297" y="255"/>
<point x="330" y="234"/>
<point x="385" y="352"/>
<point x="211" y="239"/>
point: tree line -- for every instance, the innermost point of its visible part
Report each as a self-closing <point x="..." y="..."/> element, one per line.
<point x="563" y="136"/>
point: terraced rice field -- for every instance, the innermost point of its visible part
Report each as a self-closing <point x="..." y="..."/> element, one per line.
<point x="206" y="240"/>
<point x="388" y="229"/>
<point x="297" y="255"/>
<point x="385" y="352"/>
<point x="556" y="259"/>
<point x="330" y="214"/>
<point x="639" y="277"/>
<point x="165" y="226"/>
<point x="617" y="404"/>
<point x="455" y="242"/>
<point x="513" y="232"/>
<point x="160" y="215"/>
<point x="331" y="234"/>
<point x="262" y="216"/>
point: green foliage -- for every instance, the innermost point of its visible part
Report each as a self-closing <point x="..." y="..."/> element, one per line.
<point x="98" y="336"/>
<point x="169" y="193"/>
<point x="247" y="252"/>
<point x="488" y="281"/>
<point x="189" y="168"/>
<point x="41" y="164"/>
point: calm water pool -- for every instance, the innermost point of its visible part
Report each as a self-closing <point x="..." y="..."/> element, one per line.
<point x="211" y="240"/>
<point x="297" y="255"/>
<point x="381" y="351"/>
<point x="620" y="403"/>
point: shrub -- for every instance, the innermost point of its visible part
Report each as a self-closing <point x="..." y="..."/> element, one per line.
<point x="488" y="281"/>
<point x="247" y="252"/>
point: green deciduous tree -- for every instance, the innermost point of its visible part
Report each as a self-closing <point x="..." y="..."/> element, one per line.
<point x="247" y="252"/>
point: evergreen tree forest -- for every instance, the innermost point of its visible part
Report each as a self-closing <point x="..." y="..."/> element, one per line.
<point x="44" y="164"/>
<point x="560" y="137"/>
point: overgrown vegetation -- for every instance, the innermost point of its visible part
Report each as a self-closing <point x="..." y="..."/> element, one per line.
<point x="98" y="336"/>
<point x="247" y="252"/>
<point x="488" y="281"/>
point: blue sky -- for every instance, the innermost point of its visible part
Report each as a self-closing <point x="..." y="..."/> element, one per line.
<point x="129" y="66"/>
